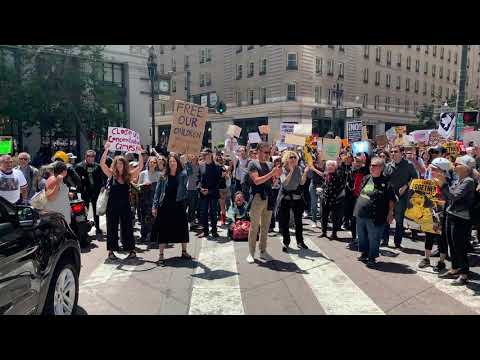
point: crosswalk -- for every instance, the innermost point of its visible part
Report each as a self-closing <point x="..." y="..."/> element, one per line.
<point x="327" y="277"/>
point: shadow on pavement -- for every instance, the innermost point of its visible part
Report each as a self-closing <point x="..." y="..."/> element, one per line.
<point x="388" y="253"/>
<point x="80" y="311"/>
<point x="308" y="253"/>
<point x="279" y="265"/>
<point x="394" y="268"/>
<point x="413" y="251"/>
<point x="89" y="248"/>
<point x="215" y="274"/>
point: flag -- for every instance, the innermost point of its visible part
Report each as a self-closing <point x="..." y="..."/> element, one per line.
<point x="446" y="129"/>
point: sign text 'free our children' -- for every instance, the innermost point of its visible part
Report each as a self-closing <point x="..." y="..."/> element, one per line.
<point x="188" y="126"/>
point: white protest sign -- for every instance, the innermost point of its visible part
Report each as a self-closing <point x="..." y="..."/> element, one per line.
<point x="281" y="146"/>
<point x="204" y="100"/>
<point x="123" y="139"/>
<point x="472" y="136"/>
<point x="331" y="148"/>
<point x="188" y="126"/>
<point x="254" y="138"/>
<point x="234" y="130"/>
<point x="285" y="128"/>
<point x="292" y="139"/>
<point x="302" y="129"/>
<point x="231" y="145"/>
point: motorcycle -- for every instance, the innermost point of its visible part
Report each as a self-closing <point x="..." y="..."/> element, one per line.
<point x="80" y="223"/>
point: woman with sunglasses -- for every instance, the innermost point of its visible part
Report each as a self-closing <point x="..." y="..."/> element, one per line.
<point x="147" y="183"/>
<point x="291" y="198"/>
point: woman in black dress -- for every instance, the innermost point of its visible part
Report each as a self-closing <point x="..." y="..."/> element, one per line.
<point x="169" y="208"/>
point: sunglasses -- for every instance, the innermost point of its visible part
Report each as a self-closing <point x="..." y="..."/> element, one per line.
<point x="23" y="159"/>
<point x="395" y="151"/>
<point x="374" y="165"/>
<point x="90" y="155"/>
<point x="293" y="158"/>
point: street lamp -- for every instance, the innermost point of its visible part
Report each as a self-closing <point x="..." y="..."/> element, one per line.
<point x="152" y="74"/>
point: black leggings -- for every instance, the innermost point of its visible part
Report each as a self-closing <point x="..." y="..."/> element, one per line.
<point x="441" y="240"/>
<point x="298" y="207"/>
<point x="337" y="215"/>
<point x="458" y="236"/>
<point x="120" y="215"/>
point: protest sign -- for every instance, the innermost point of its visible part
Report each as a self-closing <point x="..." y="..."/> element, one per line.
<point x="331" y="148"/>
<point x="446" y="128"/>
<point x="354" y="131"/>
<point x="188" y="126"/>
<point x="360" y="147"/>
<point x="425" y="208"/>
<point x="264" y="129"/>
<point x="381" y="140"/>
<point x="434" y="138"/>
<point x="364" y="133"/>
<point x="254" y="138"/>
<point x="285" y="128"/>
<point x="292" y="139"/>
<point x="302" y="129"/>
<point x="472" y="136"/>
<point x="281" y="146"/>
<point x="234" y="130"/>
<point x="345" y="143"/>
<point x="6" y="145"/>
<point x="421" y="136"/>
<point x="123" y="139"/>
<point x="231" y="145"/>
<point x="451" y="147"/>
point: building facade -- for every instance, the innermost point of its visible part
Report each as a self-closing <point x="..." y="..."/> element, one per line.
<point x="283" y="83"/>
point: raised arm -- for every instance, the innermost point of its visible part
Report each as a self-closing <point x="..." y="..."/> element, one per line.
<point x="106" y="170"/>
<point x="136" y="172"/>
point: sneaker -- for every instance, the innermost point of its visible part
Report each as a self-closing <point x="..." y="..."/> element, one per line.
<point x="285" y="249"/>
<point x="363" y="257"/>
<point x="265" y="256"/>
<point x="460" y="281"/>
<point x="302" y="246"/>
<point x="424" y="263"/>
<point x="371" y="264"/>
<point x="440" y="266"/>
<point x="250" y="259"/>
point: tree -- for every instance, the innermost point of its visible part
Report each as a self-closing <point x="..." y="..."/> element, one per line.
<point x="59" y="89"/>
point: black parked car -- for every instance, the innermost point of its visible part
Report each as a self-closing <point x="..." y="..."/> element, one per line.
<point x="39" y="262"/>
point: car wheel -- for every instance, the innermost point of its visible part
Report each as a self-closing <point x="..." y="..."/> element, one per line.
<point x="62" y="295"/>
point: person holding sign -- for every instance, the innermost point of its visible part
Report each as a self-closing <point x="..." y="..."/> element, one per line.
<point x="169" y="208"/>
<point x="291" y="198"/>
<point x="118" y="207"/>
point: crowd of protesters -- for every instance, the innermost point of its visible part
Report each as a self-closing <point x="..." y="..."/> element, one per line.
<point x="271" y="190"/>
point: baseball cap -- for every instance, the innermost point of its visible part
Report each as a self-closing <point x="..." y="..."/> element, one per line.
<point x="71" y="156"/>
<point x="61" y="155"/>
<point x="466" y="160"/>
<point x="442" y="164"/>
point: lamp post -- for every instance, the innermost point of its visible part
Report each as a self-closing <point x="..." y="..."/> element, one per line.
<point x="152" y="74"/>
<point x="460" y="106"/>
<point x="338" y="93"/>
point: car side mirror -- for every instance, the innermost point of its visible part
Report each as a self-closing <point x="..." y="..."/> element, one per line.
<point x="27" y="216"/>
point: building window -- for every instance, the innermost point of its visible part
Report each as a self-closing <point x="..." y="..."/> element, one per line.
<point x="399" y="59"/>
<point x="377" y="78"/>
<point x="432" y="92"/>
<point x="202" y="57"/>
<point x="397" y="107"/>
<point x="263" y="66"/>
<point x="455" y="58"/>
<point x="389" y="57"/>
<point x="108" y="72"/>
<point x="263" y="95"/>
<point x="448" y="92"/>
<point x="425" y="69"/>
<point x="478" y="82"/>
<point x="399" y="82"/>
<point x="442" y="51"/>
<point x="330" y="95"/>
<point x="292" y="61"/>
<point x="434" y="69"/>
<point x="424" y="88"/>
<point x="449" y="59"/>
<point x="388" y="80"/>
<point x="387" y="103"/>
<point x="454" y="77"/>
<point x="162" y="108"/>
<point x="174" y="86"/>
<point x="378" y="54"/>
<point x="202" y="79"/>
<point x="416" y="86"/>
<point x="407" y="84"/>
<point x="417" y="65"/>
<point x="250" y="47"/>
<point x="478" y="68"/>
<point x="415" y="106"/>
<point x="407" y="105"/>
<point x="341" y="48"/>
<point x="318" y="94"/>
<point x="426" y="49"/>
<point x="291" y="91"/>
<point x="174" y="47"/>
<point x="409" y="62"/>
<point x="366" y="51"/>
<point x="162" y="69"/>
<point x="239" y="71"/>
<point x="174" y="64"/>
<point x="419" y="47"/>
<point x="239" y="49"/>
<point x="434" y="50"/>
<point x="161" y="50"/>
<point x="208" y="53"/>
<point x="365" y="100"/>
<point x="187" y="62"/>
<point x="330" y="67"/>
<point x="448" y="74"/>
<point x="440" y="72"/>
<point x="376" y="102"/>
<point x="251" y="69"/>
<point x="318" y="65"/>
<point x="331" y="46"/>
<point x="468" y="63"/>
<point x="208" y="79"/>
<point x="238" y="98"/>
<point x="341" y="70"/>
<point x="365" y="75"/>
<point x="440" y="91"/>
<point x="250" y="97"/>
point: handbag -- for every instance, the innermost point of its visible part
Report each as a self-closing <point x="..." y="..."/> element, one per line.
<point x="39" y="200"/>
<point x="240" y="230"/>
<point x="102" y="200"/>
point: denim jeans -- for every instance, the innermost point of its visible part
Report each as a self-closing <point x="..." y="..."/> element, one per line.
<point x="369" y="236"/>
<point x="313" y="202"/>
<point x="192" y="203"/>
<point x="209" y="205"/>
<point x="400" y="208"/>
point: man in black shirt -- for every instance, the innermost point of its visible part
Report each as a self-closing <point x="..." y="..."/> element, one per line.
<point x="210" y="176"/>
<point x="373" y="209"/>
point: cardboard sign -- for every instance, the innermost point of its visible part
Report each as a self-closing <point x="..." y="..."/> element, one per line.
<point x="123" y="139"/>
<point x="421" y="136"/>
<point x="231" y="145"/>
<point x="285" y="128"/>
<point x="302" y="129"/>
<point x="6" y="145"/>
<point x="425" y="208"/>
<point x="264" y="129"/>
<point x="364" y="133"/>
<point x="472" y="136"/>
<point x="254" y="138"/>
<point x="292" y="139"/>
<point x="331" y="148"/>
<point x="234" y="130"/>
<point x="360" y="147"/>
<point x="381" y="140"/>
<point x="188" y="126"/>
<point x="451" y="148"/>
<point x="354" y="131"/>
<point x="434" y="138"/>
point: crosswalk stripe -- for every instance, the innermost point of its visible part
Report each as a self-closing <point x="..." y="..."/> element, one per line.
<point x="334" y="290"/>
<point x="216" y="286"/>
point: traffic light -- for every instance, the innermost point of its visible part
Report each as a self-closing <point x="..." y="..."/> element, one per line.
<point x="221" y="107"/>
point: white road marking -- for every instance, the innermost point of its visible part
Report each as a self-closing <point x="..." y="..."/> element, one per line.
<point x="334" y="290"/>
<point x="216" y="286"/>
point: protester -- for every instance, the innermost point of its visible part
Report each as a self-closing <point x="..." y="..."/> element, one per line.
<point x="261" y="173"/>
<point x="13" y="185"/>
<point x="399" y="172"/>
<point x="223" y="187"/>
<point x="30" y="173"/>
<point x="276" y="184"/>
<point x="417" y="162"/>
<point x="169" y="208"/>
<point x="460" y="198"/>
<point x="333" y="198"/>
<point x="210" y="177"/>
<point x="193" y="173"/>
<point x="147" y="182"/>
<point x="119" y="208"/>
<point x="241" y="171"/>
<point x="374" y="208"/>
<point x="93" y="179"/>
<point x="72" y="179"/>
<point x="57" y="192"/>
<point x="291" y="198"/>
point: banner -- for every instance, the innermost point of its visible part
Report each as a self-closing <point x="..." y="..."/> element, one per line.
<point x="188" y="126"/>
<point x="425" y="208"/>
<point x="254" y="138"/>
<point x="292" y="139"/>
<point x="331" y="148"/>
<point x="360" y="147"/>
<point x="446" y="128"/>
<point x="285" y="128"/>
<point x="434" y="138"/>
<point x="421" y="136"/>
<point x="231" y="145"/>
<point x="354" y="131"/>
<point x="364" y="133"/>
<point x="6" y="145"/>
<point x="302" y="129"/>
<point x="234" y="130"/>
<point x="452" y="148"/>
<point x="123" y="139"/>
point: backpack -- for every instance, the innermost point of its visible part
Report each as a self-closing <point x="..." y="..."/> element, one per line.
<point x="240" y="230"/>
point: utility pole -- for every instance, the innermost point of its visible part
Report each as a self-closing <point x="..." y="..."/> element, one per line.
<point x="460" y="108"/>
<point x="152" y="74"/>
<point x="188" y="82"/>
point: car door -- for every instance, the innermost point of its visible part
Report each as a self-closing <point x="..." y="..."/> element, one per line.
<point x="19" y="281"/>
